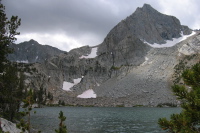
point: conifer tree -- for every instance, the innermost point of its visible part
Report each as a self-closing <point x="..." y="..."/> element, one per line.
<point x="40" y="96"/>
<point x="8" y="30"/>
<point x="62" y="127"/>
<point x="9" y="82"/>
<point x="28" y="102"/>
<point x="188" y="121"/>
<point x="11" y="92"/>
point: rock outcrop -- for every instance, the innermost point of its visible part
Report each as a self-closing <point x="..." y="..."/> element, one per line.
<point x="7" y="126"/>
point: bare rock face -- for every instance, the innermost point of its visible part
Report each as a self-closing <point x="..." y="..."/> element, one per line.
<point x="128" y="51"/>
<point x="149" y="25"/>
<point x="191" y="47"/>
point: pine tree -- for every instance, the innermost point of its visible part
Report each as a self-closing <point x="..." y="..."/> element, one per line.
<point x="11" y="93"/>
<point x="188" y="121"/>
<point x="8" y="30"/>
<point x="9" y="81"/>
<point x="50" y="96"/>
<point x="62" y="127"/>
<point x="40" y="96"/>
<point x="28" y="102"/>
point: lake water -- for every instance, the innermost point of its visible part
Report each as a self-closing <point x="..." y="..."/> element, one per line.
<point x="102" y="119"/>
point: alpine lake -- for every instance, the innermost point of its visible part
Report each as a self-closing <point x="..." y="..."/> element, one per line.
<point x="102" y="119"/>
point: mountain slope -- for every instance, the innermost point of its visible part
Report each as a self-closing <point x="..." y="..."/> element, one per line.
<point x="125" y="40"/>
<point x="31" y="52"/>
<point x="124" y="69"/>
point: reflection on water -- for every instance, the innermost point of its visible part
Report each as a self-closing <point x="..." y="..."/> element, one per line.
<point x="102" y="120"/>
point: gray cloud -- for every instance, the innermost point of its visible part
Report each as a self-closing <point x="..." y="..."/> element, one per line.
<point x="87" y="22"/>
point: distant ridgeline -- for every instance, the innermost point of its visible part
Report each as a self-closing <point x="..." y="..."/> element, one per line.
<point x="135" y="65"/>
<point x="31" y="52"/>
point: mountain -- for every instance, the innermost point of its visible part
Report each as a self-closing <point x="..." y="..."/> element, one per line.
<point x="144" y="25"/>
<point x="149" y="25"/>
<point x="31" y="52"/>
<point x="136" y="64"/>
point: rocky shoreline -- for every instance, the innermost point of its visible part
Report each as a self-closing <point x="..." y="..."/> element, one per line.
<point x="7" y="126"/>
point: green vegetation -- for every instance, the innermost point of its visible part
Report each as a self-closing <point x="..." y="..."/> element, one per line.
<point x="25" y="67"/>
<point x="12" y="87"/>
<point x="10" y="82"/>
<point x="188" y="121"/>
<point x="138" y="106"/>
<point x="28" y="102"/>
<point x="121" y="105"/>
<point x="115" y="68"/>
<point x="62" y="127"/>
<point x="87" y="106"/>
<point x="39" y="96"/>
<point x="60" y="102"/>
<point x="11" y="93"/>
<point x="167" y="105"/>
<point x="8" y="30"/>
<point x="179" y="68"/>
<point x="50" y="96"/>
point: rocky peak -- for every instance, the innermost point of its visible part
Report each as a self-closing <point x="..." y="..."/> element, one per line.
<point x="33" y="42"/>
<point x="148" y="25"/>
<point x="31" y="52"/>
<point x="146" y="8"/>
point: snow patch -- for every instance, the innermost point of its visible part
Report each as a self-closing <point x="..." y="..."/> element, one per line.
<point x="145" y="62"/>
<point x="78" y="80"/>
<point x="93" y="54"/>
<point x="97" y="84"/>
<point x="53" y="64"/>
<point x="88" y="94"/>
<point x="68" y="85"/>
<point x="22" y="61"/>
<point x="170" y="43"/>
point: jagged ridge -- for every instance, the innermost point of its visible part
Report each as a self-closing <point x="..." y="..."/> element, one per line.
<point x="31" y="52"/>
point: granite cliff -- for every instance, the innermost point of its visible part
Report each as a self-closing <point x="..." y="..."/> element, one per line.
<point x="134" y="65"/>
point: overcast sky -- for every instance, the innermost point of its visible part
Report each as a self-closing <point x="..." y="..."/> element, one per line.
<point x="68" y="24"/>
